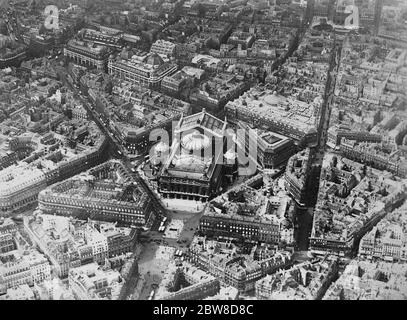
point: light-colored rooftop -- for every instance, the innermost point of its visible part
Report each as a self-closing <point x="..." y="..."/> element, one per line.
<point x="270" y="105"/>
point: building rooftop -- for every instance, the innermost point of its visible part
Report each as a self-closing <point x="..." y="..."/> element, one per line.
<point x="349" y="197"/>
<point x="44" y="159"/>
<point x="150" y="63"/>
<point x="87" y="46"/>
<point x="191" y="153"/>
<point x="270" y="105"/>
<point x="363" y="280"/>
<point x="244" y="203"/>
<point x="301" y="282"/>
<point x="116" y="188"/>
<point x="203" y="120"/>
<point x="96" y="282"/>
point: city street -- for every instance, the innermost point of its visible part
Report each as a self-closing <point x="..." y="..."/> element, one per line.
<point x="151" y="270"/>
<point x="117" y="150"/>
<point x="303" y="219"/>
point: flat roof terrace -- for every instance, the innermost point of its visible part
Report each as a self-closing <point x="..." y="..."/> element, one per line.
<point x="271" y="138"/>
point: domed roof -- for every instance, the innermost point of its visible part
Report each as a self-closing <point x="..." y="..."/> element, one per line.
<point x="154" y="59"/>
<point x="195" y="141"/>
<point x="274" y="99"/>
